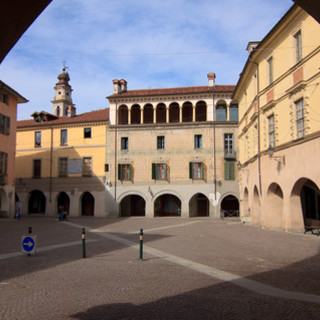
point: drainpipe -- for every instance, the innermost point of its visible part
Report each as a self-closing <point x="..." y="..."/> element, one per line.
<point x="50" y="176"/>
<point x="115" y="155"/>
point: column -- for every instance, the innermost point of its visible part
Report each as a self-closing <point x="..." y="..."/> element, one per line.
<point x="228" y="112"/>
<point x="141" y="116"/>
<point x="180" y="113"/>
<point x="129" y="116"/>
<point x="167" y="114"/>
<point x="193" y="113"/>
<point x="154" y="115"/>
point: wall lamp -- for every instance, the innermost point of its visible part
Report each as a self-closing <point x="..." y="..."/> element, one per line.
<point x="239" y="165"/>
<point x="279" y="159"/>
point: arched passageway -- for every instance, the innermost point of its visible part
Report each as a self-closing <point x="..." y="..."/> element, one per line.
<point x="274" y="203"/>
<point x="174" y="112"/>
<point x="148" y="113"/>
<point x="37" y="202"/>
<point x="63" y="200"/>
<point x="87" y="204"/>
<point x="161" y="113"/>
<point x="132" y="206"/>
<point x="201" y="111"/>
<point x="199" y="206"/>
<point x="187" y="112"/>
<point x="135" y="114"/>
<point x="167" y="205"/>
<point x="229" y="207"/>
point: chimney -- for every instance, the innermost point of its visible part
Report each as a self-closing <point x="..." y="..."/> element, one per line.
<point x="123" y="84"/>
<point x="211" y="77"/>
<point x="252" y="45"/>
<point x="71" y="111"/>
<point x="116" y="86"/>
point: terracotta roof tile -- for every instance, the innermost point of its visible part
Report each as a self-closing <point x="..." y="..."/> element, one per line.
<point x="175" y="91"/>
<point x="98" y="115"/>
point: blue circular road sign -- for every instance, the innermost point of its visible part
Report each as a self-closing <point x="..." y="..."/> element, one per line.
<point x="28" y="244"/>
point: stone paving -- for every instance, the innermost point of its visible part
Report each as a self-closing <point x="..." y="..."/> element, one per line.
<point x="192" y="269"/>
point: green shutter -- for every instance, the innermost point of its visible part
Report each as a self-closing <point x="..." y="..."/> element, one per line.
<point x="129" y="171"/>
<point x="153" y="173"/>
<point x="119" y="171"/>
<point x="226" y="170"/>
<point x="190" y="170"/>
<point x="231" y="170"/>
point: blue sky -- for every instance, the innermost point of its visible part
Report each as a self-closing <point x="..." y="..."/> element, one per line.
<point x="150" y="43"/>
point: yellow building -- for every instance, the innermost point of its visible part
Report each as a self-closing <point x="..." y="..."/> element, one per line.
<point x="9" y="100"/>
<point x="279" y="125"/>
<point x="60" y="158"/>
<point x="172" y="151"/>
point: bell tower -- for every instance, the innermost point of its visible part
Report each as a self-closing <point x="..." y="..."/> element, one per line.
<point x="62" y="101"/>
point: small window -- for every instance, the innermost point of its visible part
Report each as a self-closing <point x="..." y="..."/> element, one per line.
<point x="271" y="133"/>
<point x="37" y="168"/>
<point x="298" y="45"/>
<point x="196" y="170"/>
<point x="124" y="143"/>
<point x="63" y="167"/>
<point x="87" y="133"/>
<point x="37" y="139"/>
<point x="63" y="137"/>
<point x="87" y="166"/>
<point x="159" y="171"/>
<point x="160" y="142"/>
<point x="198" y="141"/>
<point x="228" y="145"/>
<point x="124" y="172"/>
<point x="300" y="118"/>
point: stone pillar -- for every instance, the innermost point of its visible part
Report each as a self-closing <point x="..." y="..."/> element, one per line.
<point x="167" y="114"/>
<point x="228" y="112"/>
<point x="141" y="116"/>
<point x="180" y="113"/>
<point x="154" y="115"/>
<point x="193" y="113"/>
<point x="149" y="209"/>
<point x="129" y="116"/>
<point x="184" y="209"/>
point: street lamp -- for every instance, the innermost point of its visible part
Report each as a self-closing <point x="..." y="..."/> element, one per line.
<point x="279" y="159"/>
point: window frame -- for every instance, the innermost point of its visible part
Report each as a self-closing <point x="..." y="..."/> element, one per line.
<point x="37" y="136"/>
<point x="3" y="163"/>
<point x="299" y="110"/>
<point x="229" y="171"/>
<point x="87" y="133"/>
<point x="221" y="107"/>
<point x="161" y="142"/>
<point x="196" y="170"/>
<point x="63" y="137"/>
<point x="228" y="145"/>
<point x="298" y="45"/>
<point x="159" y="171"/>
<point x="63" y="173"/>
<point x="198" y="141"/>
<point x="271" y="131"/>
<point x="124" y="171"/>
<point x="124" y="143"/>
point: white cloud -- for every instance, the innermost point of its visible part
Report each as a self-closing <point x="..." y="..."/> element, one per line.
<point x="96" y="38"/>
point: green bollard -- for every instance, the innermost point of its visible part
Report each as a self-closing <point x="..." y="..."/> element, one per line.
<point x="83" y="243"/>
<point x="141" y="244"/>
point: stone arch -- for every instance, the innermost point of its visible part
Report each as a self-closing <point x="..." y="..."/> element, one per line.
<point x="255" y="212"/>
<point x="87" y="204"/>
<point x="132" y="205"/>
<point x="148" y="113"/>
<point x="37" y="202"/>
<point x="304" y="203"/>
<point x="201" y="111"/>
<point x="167" y="205"/>
<point x="64" y="201"/>
<point x="123" y="114"/>
<point x="221" y="110"/>
<point x="161" y="113"/>
<point x="229" y="206"/>
<point x="187" y="111"/>
<point x="274" y="203"/>
<point x="174" y="112"/>
<point x="135" y="114"/>
<point x="199" y="206"/>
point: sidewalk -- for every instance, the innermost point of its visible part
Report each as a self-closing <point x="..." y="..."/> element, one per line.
<point x="213" y="268"/>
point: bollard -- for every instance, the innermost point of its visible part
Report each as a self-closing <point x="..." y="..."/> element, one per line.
<point x="83" y="243"/>
<point x="141" y="244"/>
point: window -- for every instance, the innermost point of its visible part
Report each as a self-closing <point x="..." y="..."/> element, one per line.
<point x="160" y="142"/>
<point x="87" y="166"/>
<point x="221" y="113"/>
<point x="196" y="170"/>
<point x="4" y="98"/>
<point x="37" y="168"/>
<point x="228" y="145"/>
<point x="124" y="172"/>
<point x="270" y="69"/>
<point x="4" y="125"/>
<point x="87" y="133"/>
<point x="124" y="143"/>
<point x="233" y="113"/>
<point x="37" y="139"/>
<point x="159" y="171"/>
<point x="300" y="118"/>
<point x="298" y="45"/>
<point x="63" y="167"/>
<point x="63" y="137"/>
<point x="229" y="172"/>
<point x="198" y="141"/>
<point x="271" y="132"/>
<point x="3" y="163"/>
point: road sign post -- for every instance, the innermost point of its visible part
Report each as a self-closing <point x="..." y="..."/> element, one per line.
<point x="28" y="243"/>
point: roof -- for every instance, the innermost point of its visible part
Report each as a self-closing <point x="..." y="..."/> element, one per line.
<point x="173" y="91"/>
<point x="92" y="116"/>
<point x="10" y="91"/>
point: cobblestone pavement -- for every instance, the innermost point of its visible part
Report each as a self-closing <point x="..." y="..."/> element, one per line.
<point x="192" y="269"/>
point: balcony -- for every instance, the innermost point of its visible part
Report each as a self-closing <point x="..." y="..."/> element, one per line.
<point x="3" y="179"/>
<point x="230" y="154"/>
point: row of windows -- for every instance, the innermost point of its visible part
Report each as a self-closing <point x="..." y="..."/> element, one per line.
<point x="63" y="137"/>
<point x="161" y="171"/>
<point x="300" y="130"/>
<point x="4" y="125"/>
<point x="228" y="143"/>
<point x="67" y="166"/>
